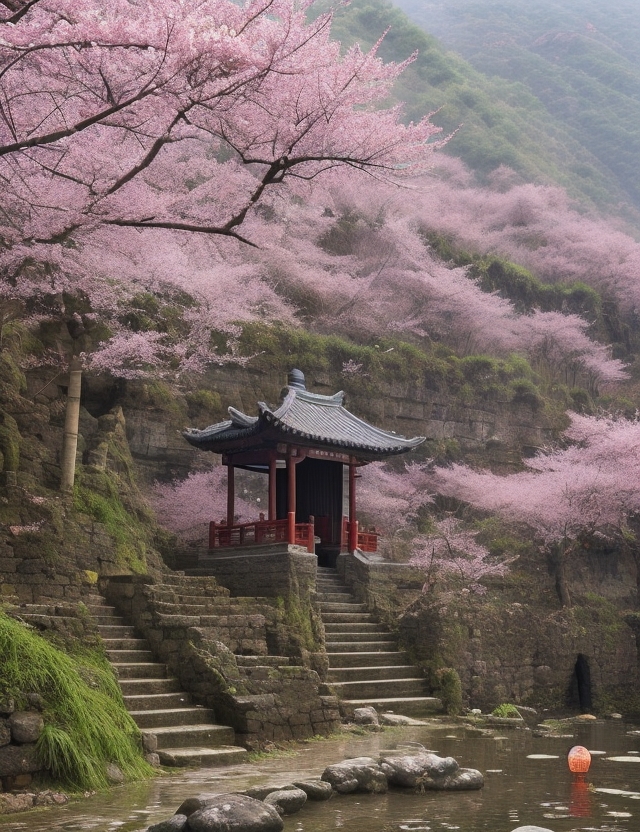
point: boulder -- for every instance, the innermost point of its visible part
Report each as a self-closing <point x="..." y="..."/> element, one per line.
<point x="193" y="804"/>
<point x="366" y="716"/>
<point x="315" y="789"/>
<point x="7" y="705"/>
<point x="260" y="792"/>
<point x="465" y="779"/>
<point x="360" y="774"/>
<point x="427" y="771"/>
<point x="26" y="726"/>
<point x="175" y="824"/>
<point x="235" y="813"/>
<point x="286" y="801"/>
<point x="114" y="774"/>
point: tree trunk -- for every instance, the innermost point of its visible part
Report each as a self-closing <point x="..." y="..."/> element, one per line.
<point x="71" y="420"/>
<point x="558" y="561"/>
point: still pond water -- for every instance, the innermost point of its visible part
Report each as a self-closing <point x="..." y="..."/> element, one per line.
<point x="519" y="788"/>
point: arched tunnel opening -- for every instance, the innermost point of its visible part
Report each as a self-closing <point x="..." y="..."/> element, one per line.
<point x="579" y="693"/>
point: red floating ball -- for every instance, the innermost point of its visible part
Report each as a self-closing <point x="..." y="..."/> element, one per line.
<point x="579" y="760"/>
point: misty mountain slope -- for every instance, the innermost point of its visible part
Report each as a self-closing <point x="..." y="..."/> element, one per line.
<point x="580" y="59"/>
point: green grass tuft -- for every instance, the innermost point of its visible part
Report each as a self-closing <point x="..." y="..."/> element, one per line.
<point x="86" y="723"/>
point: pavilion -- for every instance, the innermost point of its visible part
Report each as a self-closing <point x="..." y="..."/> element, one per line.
<point x="305" y="447"/>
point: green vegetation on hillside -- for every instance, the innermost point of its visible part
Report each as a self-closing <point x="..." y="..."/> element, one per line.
<point x="580" y="60"/>
<point x="478" y="377"/>
<point x="501" y="121"/>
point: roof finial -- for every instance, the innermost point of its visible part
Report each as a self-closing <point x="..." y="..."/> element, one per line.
<point x="296" y="379"/>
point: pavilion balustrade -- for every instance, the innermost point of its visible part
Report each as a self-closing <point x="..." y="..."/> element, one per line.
<point x="264" y="532"/>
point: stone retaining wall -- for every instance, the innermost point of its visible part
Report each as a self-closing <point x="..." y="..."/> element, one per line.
<point x="503" y="650"/>
<point x="19" y="732"/>
<point x="514" y="653"/>
<point x="386" y="588"/>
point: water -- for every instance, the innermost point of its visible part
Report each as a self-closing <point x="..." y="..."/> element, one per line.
<point x="519" y="789"/>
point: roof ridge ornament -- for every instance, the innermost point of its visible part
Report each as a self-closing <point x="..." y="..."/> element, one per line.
<point x="296" y="379"/>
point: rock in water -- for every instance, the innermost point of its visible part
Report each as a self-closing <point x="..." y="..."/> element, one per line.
<point x="286" y="801"/>
<point x="361" y="774"/>
<point x="428" y="772"/>
<point x="315" y="789"/>
<point x="235" y="813"/>
<point x="175" y="824"/>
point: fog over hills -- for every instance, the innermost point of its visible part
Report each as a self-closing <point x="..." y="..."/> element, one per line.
<point x="580" y="59"/>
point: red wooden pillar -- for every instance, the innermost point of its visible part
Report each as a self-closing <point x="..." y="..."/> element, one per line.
<point x="353" y="523"/>
<point x="272" y="487"/>
<point x="231" y="494"/>
<point x="291" y="497"/>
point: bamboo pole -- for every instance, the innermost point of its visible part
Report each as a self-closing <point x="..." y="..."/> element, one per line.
<point x="71" y="421"/>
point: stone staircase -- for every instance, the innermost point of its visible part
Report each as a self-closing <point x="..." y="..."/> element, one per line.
<point x="365" y="666"/>
<point x="186" y="734"/>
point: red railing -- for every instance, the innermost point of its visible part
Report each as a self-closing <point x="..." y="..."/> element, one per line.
<point x="262" y="532"/>
<point x="366" y="541"/>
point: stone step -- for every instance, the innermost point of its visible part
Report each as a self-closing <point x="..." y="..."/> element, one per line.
<point x="203" y="757"/>
<point x="197" y="735"/>
<point x="130" y="643"/>
<point x="347" y="618"/>
<point x="146" y="687"/>
<point x="186" y="734"/>
<point x="167" y="717"/>
<point x="359" y="638"/>
<point x="388" y="658"/>
<point x="359" y="647"/>
<point x="367" y="673"/>
<point x="357" y="627"/>
<point x="365" y="665"/>
<point x="128" y="656"/>
<point x="330" y="607"/>
<point x="116" y="631"/>
<point x="383" y="688"/>
<point x="102" y="611"/>
<point x="139" y="670"/>
<point x="156" y="701"/>
<point x="160" y="590"/>
<point x="415" y="706"/>
<point x="107" y="620"/>
<point x="164" y="596"/>
<point x="201" y="606"/>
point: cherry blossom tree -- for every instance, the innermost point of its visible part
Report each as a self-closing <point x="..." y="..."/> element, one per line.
<point x="447" y="550"/>
<point x="179" y="114"/>
<point x="535" y="226"/>
<point x="453" y="551"/>
<point x="176" y="116"/>
<point x="588" y="488"/>
<point x="355" y="261"/>
<point x="187" y="506"/>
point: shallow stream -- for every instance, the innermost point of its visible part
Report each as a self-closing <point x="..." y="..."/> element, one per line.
<point x="519" y="788"/>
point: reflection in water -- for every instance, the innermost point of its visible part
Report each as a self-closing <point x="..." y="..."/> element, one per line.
<point x="522" y="787"/>
<point x="580" y="798"/>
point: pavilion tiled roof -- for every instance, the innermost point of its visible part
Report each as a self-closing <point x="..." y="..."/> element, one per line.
<point x="303" y="418"/>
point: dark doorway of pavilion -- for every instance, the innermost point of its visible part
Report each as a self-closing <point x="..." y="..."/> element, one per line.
<point x="319" y="494"/>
